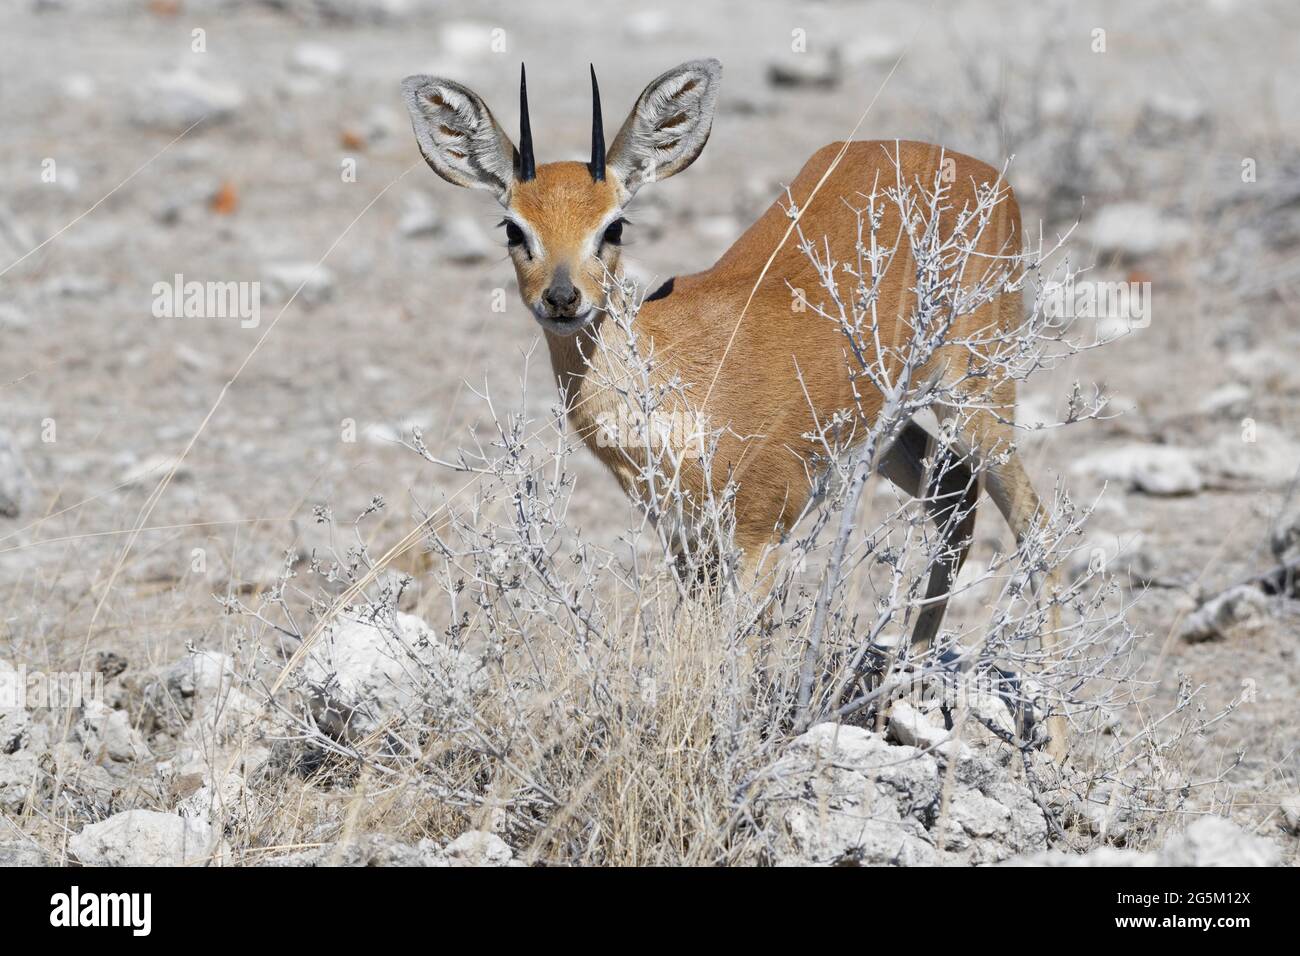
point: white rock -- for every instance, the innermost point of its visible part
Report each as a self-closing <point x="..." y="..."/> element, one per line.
<point x="1033" y="411"/>
<point x="1109" y="328"/>
<point x="1242" y="607"/>
<point x="143" y="838"/>
<point x="842" y="795"/>
<point x="78" y="86"/>
<point x="316" y="59"/>
<point x="909" y="726"/>
<point x="177" y="100"/>
<point x="476" y="848"/>
<point x="381" y="122"/>
<point x="300" y="85"/>
<point x="647" y="24"/>
<point x="201" y="694"/>
<point x="1262" y="368"/>
<point x="1119" y="404"/>
<point x="216" y="803"/>
<point x="209" y="779"/>
<point x="388" y="433"/>
<point x="753" y="194"/>
<point x="1105" y="552"/>
<point x="192" y="358"/>
<point x="312" y="283"/>
<point x="420" y="215"/>
<point x="1226" y="399"/>
<point x="18" y="773"/>
<point x="367" y="673"/>
<point x="717" y="228"/>
<point x="152" y="469"/>
<point x="1155" y="469"/>
<point x="991" y="709"/>
<point x="1137" y="229"/>
<point x="978" y="815"/>
<point x="1055" y="101"/>
<point x="873" y="49"/>
<point x="1105" y="856"/>
<point x="463" y="242"/>
<point x="1214" y="841"/>
<point x="68" y="179"/>
<point x="91" y="781"/>
<point x="466" y="39"/>
<point x="1271" y="459"/>
<point x="13" y="319"/>
<point x="1167" y="115"/>
<point x="108" y="733"/>
<point x="382" y="433"/>
<point x="15" y="853"/>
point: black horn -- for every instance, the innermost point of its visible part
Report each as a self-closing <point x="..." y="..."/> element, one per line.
<point x="597" y="164"/>
<point x="527" y="167"/>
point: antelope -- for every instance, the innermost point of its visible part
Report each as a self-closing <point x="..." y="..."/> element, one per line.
<point x="564" y="225"/>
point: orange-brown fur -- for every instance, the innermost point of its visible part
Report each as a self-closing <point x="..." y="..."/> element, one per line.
<point x="740" y="357"/>
<point x="756" y="395"/>
<point x="564" y="206"/>
<point x="749" y="364"/>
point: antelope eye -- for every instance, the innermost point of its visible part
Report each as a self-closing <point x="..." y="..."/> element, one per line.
<point x="614" y="232"/>
<point x="514" y="235"/>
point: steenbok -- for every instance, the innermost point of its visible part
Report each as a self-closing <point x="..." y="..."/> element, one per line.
<point x="751" y="366"/>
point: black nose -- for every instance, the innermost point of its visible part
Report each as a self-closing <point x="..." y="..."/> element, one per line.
<point x="561" y="298"/>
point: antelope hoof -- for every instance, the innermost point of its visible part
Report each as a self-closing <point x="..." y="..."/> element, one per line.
<point x="1047" y="735"/>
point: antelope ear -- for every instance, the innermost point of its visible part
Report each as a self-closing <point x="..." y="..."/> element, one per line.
<point x="668" y="126"/>
<point x="458" y="136"/>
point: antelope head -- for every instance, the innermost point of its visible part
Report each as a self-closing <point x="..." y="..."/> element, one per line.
<point x="564" y="221"/>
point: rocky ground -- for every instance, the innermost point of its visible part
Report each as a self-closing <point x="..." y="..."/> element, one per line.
<point x="1170" y="146"/>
